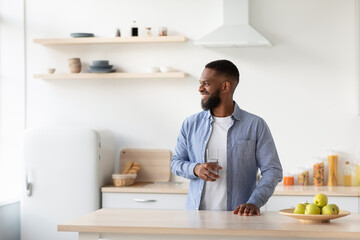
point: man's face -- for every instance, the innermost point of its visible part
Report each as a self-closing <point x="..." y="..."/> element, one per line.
<point x="210" y="86"/>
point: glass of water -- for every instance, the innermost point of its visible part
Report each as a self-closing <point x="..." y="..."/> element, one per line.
<point x="212" y="156"/>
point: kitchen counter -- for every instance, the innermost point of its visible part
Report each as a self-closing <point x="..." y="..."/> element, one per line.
<point x="184" y="224"/>
<point x="161" y="187"/>
<point x="296" y="190"/>
<point x="334" y="191"/>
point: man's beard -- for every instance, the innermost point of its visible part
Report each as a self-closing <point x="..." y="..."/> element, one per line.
<point x="213" y="101"/>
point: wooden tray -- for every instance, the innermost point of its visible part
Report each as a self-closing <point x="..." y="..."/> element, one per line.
<point x="155" y="163"/>
<point x="311" y="218"/>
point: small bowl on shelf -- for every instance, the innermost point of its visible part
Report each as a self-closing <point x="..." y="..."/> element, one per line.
<point x="122" y="180"/>
<point x="152" y="69"/>
<point x="100" y="63"/>
<point x="76" y="35"/>
<point x="51" y="70"/>
<point x="165" y="69"/>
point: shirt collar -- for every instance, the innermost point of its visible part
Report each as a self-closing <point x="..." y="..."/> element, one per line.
<point x="236" y="114"/>
<point x="237" y="111"/>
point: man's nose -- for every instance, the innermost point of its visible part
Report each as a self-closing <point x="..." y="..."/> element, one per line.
<point x="201" y="87"/>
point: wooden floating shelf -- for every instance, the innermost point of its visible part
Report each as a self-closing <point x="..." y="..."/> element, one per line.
<point x="116" y="75"/>
<point x="113" y="40"/>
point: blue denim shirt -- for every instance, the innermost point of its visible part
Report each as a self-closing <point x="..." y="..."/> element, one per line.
<point x="250" y="147"/>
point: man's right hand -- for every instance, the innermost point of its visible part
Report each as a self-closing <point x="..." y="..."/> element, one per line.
<point x="205" y="171"/>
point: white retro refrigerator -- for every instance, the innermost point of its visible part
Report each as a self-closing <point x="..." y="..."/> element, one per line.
<point x="64" y="170"/>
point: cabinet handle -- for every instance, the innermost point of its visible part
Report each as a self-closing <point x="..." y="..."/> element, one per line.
<point x="144" y="200"/>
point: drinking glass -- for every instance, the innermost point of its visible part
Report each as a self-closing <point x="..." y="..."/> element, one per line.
<point x="212" y="156"/>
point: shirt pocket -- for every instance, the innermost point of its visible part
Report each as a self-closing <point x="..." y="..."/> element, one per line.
<point x="244" y="153"/>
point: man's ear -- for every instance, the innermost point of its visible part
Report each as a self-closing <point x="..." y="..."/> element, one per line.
<point x="226" y="87"/>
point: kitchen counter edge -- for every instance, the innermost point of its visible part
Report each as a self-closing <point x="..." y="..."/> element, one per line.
<point x="182" y="188"/>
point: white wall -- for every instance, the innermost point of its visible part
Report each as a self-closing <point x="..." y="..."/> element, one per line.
<point x="304" y="86"/>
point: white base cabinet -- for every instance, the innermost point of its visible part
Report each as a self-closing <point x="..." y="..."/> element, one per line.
<point x="144" y="200"/>
<point x="173" y="196"/>
<point x="177" y="201"/>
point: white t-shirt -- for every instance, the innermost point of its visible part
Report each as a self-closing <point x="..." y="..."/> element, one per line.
<point x="214" y="193"/>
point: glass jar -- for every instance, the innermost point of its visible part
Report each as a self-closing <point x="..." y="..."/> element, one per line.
<point x="288" y="180"/>
<point x="347" y="174"/>
<point x="303" y="176"/>
<point x="318" y="171"/>
<point x="333" y="169"/>
<point x="163" y="31"/>
<point x="148" y="31"/>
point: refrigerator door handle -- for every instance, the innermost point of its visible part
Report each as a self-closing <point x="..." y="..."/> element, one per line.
<point x="28" y="185"/>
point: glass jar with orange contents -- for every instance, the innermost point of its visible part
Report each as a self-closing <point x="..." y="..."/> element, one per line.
<point x="288" y="180"/>
<point x="318" y="171"/>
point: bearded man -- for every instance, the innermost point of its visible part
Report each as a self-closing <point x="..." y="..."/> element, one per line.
<point x="242" y="142"/>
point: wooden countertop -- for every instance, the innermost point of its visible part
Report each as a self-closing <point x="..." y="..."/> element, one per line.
<point x="334" y="191"/>
<point x="209" y="223"/>
<point x="161" y="187"/>
<point x="182" y="188"/>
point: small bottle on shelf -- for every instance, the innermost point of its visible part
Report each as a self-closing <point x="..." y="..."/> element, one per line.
<point x="134" y="30"/>
<point x="347" y="174"/>
<point x="118" y="33"/>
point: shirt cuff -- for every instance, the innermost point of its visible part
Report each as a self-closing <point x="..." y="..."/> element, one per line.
<point x="191" y="170"/>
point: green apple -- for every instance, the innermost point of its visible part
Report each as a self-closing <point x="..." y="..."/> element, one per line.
<point x="312" y="209"/>
<point x="320" y="200"/>
<point x="329" y="210"/>
<point x="335" y="206"/>
<point x="300" y="208"/>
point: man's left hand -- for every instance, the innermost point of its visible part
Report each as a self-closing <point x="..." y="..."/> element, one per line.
<point x="247" y="209"/>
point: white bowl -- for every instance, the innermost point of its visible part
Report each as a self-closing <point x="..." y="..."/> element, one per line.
<point x="51" y="70"/>
<point x="165" y="69"/>
<point x="152" y="69"/>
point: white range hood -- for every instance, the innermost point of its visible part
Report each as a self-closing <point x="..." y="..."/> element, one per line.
<point x="236" y="30"/>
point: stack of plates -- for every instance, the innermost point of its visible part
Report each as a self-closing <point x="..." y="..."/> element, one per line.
<point x="101" y="66"/>
<point x="82" y="35"/>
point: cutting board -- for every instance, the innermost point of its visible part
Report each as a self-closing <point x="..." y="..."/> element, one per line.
<point x="155" y="163"/>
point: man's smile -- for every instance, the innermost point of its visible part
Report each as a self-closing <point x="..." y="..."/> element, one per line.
<point x="204" y="95"/>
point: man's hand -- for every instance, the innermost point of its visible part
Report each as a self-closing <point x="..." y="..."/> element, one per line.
<point x="247" y="209"/>
<point x="207" y="171"/>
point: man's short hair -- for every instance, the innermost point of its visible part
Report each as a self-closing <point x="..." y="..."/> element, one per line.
<point x="226" y="68"/>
